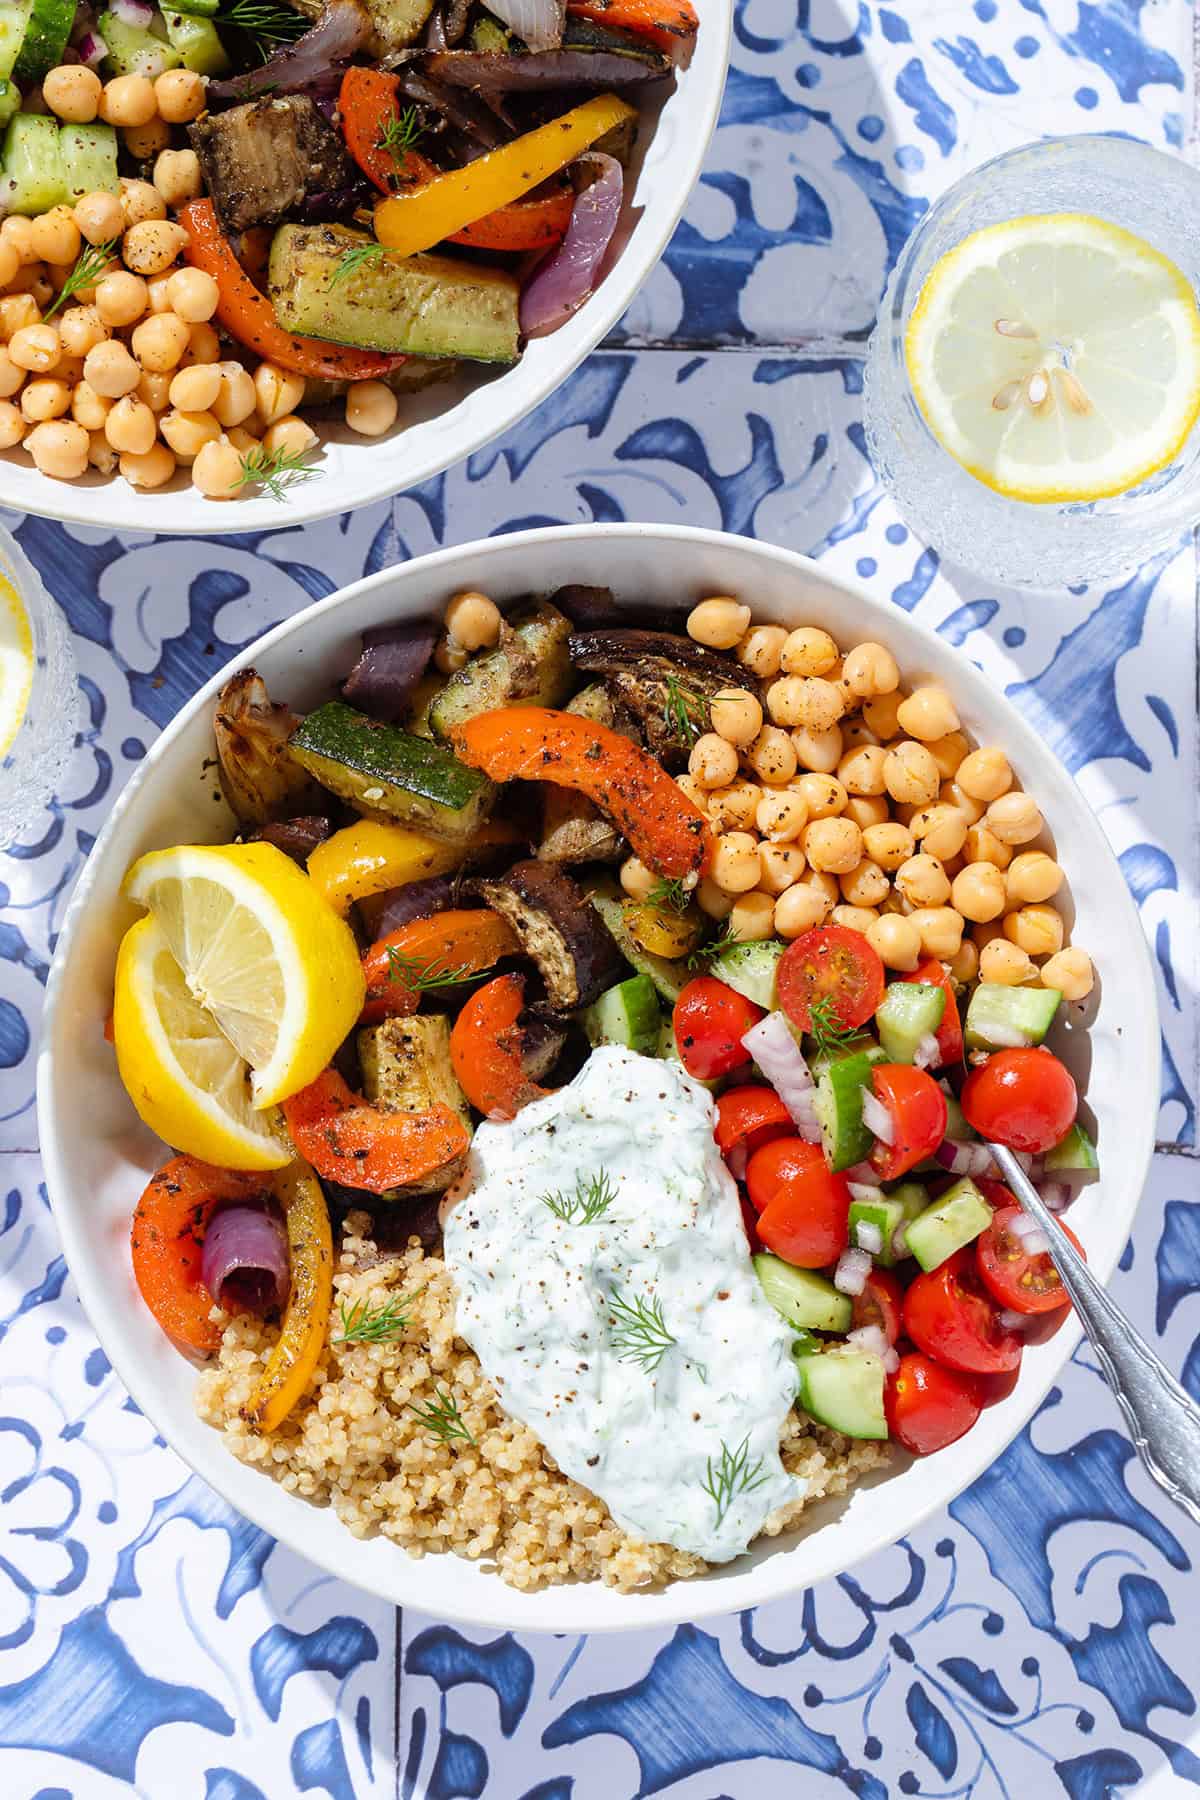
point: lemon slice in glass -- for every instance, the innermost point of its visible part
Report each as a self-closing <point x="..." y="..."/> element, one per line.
<point x="261" y="950"/>
<point x="1056" y="357"/>
<point x="16" y="663"/>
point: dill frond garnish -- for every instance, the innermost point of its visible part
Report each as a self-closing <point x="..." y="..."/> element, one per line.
<point x="420" y="977"/>
<point x="733" y="1474"/>
<point x="685" y="713"/>
<point x="366" y="1324"/>
<point x="275" y="470"/>
<point x="593" y="1196"/>
<point x="442" y="1417"/>
<point x="640" y="1333"/>
<point x="86" y="270"/>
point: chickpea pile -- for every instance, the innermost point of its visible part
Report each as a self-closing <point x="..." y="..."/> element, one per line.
<point x="840" y="797"/>
<point x="130" y="373"/>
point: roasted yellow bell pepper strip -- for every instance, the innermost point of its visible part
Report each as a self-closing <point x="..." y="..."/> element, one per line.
<point x="310" y="1302"/>
<point x="425" y="215"/>
<point x="371" y="856"/>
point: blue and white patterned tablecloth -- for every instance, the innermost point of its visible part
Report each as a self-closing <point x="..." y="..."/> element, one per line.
<point x="1040" y="1639"/>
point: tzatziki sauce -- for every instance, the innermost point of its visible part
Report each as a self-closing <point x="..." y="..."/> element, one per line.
<point x="605" y="1285"/>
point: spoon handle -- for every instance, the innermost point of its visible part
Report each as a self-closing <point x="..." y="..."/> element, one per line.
<point x="1163" y="1419"/>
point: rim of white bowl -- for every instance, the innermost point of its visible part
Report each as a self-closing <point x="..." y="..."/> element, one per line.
<point x="724" y="1589"/>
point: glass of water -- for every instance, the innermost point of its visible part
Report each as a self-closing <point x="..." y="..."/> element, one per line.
<point x="39" y="695"/>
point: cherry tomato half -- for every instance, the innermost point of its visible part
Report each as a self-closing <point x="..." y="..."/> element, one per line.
<point x="710" y="1022"/>
<point x="949" y="1032"/>
<point x="880" y="1303"/>
<point x="1023" y="1098"/>
<point x="917" y="1108"/>
<point x="1026" y="1283"/>
<point x="803" y="1206"/>
<point x="950" y="1315"/>
<point x="747" y="1118"/>
<point x="927" y="1406"/>
<point x="834" y="964"/>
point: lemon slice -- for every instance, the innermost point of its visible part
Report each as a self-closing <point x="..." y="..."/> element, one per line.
<point x="180" y="1070"/>
<point x="1057" y="357"/>
<point x="16" y="663"/>
<point x="261" y="950"/>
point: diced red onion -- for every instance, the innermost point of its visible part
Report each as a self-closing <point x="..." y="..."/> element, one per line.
<point x="1057" y="1194"/>
<point x="563" y="282"/>
<point x="342" y="28"/>
<point x="900" y="1240"/>
<point x="864" y="1173"/>
<point x="868" y="1237"/>
<point x="877" y="1119"/>
<point x="927" y="1055"/>
<point x="133" y="12"/>
<point x="92" y="49"/>
<point x="736" y="1160"/>
<point x="1013" y="1321"/>
<point x="539" y="22"/>
<point x="963" y="1159"/>
<point x="244" y="1263"/>
<point x="871" y="1338"/>
<point x="1025" y="1227"/>
<point x="393" y="660"/>
<point x="778" y="1055"/>
<point x="850" y="1276"/>
<point x="870" y="1191"/>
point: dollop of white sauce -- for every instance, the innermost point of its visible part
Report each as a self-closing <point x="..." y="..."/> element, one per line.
<point x="683" y="1445"/>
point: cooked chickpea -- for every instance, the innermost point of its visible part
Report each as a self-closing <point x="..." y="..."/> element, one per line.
<point x="896" y="942"/>
<point x="17" y="233"/>
<point x="448" y="656"/>
<point x="713" y="763"/>
<point x="10" y="262"/>
<point x="1038" y="930"/>
<point x="195" y="390"/>
<point x="800" y="909"/>
<point x="772" y="755"/>
<point x="140" y="201"/>
<point x="13" y="425"/>
<point x="192" y="295"/>
<point x="159" y="342"/>
<point x="713" y="901"/>
<point x="978" y="892"/>
<point x="752" y="918"/>
<point x="80" y="329"/>
<point x="1071" y="972"/>
<point x="865" y="884"/>
<point x="760" y="650"/>
<point x="179" y="96"/>
<point x="121" y="298"/>
<point x="88" y="408"/>
<point x="72" y="92"/>
<point x="861" y="771"/>
<point x="964" y="965"/>
<point x="245" y="442"/>
<point x="1032" y="876"/>
<point x="949" y="753"/>
<point x="824" y="795"/>
<point x="922" y="881"/>
<point x="942" y="830"/>
<point x="985" y="774"/>
<point x="235" y="402"/>
<point x="204" y="346"/>
<point x="735" y="862"/>
<point x="1015" y="818"/>
<point x="719" y="623"/>
<point x="733" y="808"/>
<point x="808" y="651"/>
<point x="56" y="236"/>
<point x="911" y="773"/>
<point x="69" y="369"/>
<point x="154" y="387"/>
<point x="940" y="929"/>
<point x="638" y="881"/>
<point x="804" y="700"/>
<point x="289" y="436"/>
<point x="217" y="471"/>
<point x="695" y="793"/>
<point x="147" y="141"/>
<point x="473" y="620"/>
<point x="59" y="447"/>
<point x="890" y="845"/>
<point x="152" y="246"/>
<point x="867" y="809"/>
<point x="782" y="865"/>
<point x="128" y="100"/>
<point x="856" y="734"/>
<point x="834" y="845"/>
<point x="17" y="310"/>
<point x="188" y="432"/>
<point x="110" y="370"/>
<point x="927" y="714"/>
<point x="156" y="290"/>
<point x="131" y="426"/>
<point x="45" y="398"/>
<point x="818" y="751"/>
<point x="371" y="408"/>
<point x="736" y="716"/>
<point x="985" y="934"/>
<point x="781" y="816"/>
<point x="1004" y="963"/>
<point x="870" y="670"/>
<point x="34" y="284"/>
<point x="950" y="794"/>
<point x="99" y="217"/>
<point x="854" y="918"/>
<point x="36" y="348"/>
<point x="177" y="173"/>
<point x="150" y="470"/>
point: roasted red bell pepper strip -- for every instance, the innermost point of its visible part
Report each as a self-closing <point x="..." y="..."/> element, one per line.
<point x="348" y="1140"/>
<point x="666" y="23"/>
<point x="485" y="1048"/>
<point x="249" y="316"/>
<point x="429" y="952"/>
<point x="949" y="1033"/>
<point x="167" y="1240"/>
<point x="531" y="743"/>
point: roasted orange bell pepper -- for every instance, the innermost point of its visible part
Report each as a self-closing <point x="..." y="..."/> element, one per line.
<point x="666" y="23"/>
<point x="348" y="1140"/>
<point x="167" y="1240"/>
<point x="431" y="952"/>
<point x="305" y="1327"/>
<point x="532" y="743"/>
<point x="249" y="316"/>
<point x="485" y="1048"/>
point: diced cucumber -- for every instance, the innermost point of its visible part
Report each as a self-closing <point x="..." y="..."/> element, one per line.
<point x="883" y="1216"/>
<point x="13" y="19"/>
<point x="1075" y="1151"/>
<point x="89" y="159"/>
<point x="133" y="50"/>
<point x="957" y="1218"/>
<point x="670" y="978"/>
<point x="33" y="164"/>
<point x="956" y="1119"/>
<point x="627" y="1014"/>
<point x="10" y="101"/>
<point x="197" y="43"/>
<point x="806" y="1300"/>
<point x="838" y="1106"/>
<point x="912" y="1198"/>
<point x="819" y="1060"/>
<point x="908" y="1012"/>
<point x="197" y="9"/>
<point x="750" y="970"/>
<point x="1003" y="1018"/>
<point x="844" y="1390"/>
<point x="47" y="28"/>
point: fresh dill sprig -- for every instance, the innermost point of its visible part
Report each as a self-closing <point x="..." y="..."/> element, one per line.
<point x="669" y="896"/>
<point x="363" y="1323"/>
<point x="685" y="713"/>
<point x="87" y="269"/>
<point x="443" y="1418"/>
<point x="593" y="1196"/>
<point x="267" y="23"/>
<point x="354" y="259"/>
<point x="825" y="1026"/>
<point x="706" y="954"/>
<point x="640" y="1333"/>
<point x="733" y="1474"/>
<point x="400" y="134"/>
<point x="419" y="977"/>
<point x="275" y="470"/>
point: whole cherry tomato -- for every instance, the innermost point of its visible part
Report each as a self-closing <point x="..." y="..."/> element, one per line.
<point x="1023" y="1098"/>
<point x="710" y="1021"/>
<point x="928" y="1406"/>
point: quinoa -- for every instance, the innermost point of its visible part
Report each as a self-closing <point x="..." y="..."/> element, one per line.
<point x="354" y="1442"/>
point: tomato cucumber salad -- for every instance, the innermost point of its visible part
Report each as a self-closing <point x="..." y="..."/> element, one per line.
<point x="594" y="1034"/>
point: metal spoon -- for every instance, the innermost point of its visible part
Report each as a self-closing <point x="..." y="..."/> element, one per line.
<point x="1163" y="1419"/>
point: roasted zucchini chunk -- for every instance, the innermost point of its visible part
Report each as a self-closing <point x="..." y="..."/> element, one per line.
<point x="406" y="1067"/>
<point x="573" y="829"/>
<point x="563" y="935"/>
<point x="529" y="663"/>
<point x="381" y="769"/>
<point x="666" y="680"/>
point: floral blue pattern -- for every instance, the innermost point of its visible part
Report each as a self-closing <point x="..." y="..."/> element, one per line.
<point x="1032" y="1642"/>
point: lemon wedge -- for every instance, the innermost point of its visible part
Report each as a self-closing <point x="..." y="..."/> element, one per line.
<point x="1056" y="357"/>
<point x="183" y="1075"/>
<point x="261" y="951"/>
<point x="16" y="663"/>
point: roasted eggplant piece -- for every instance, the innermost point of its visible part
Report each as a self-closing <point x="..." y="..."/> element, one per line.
<point x="261" y="159"/>
<point x="406" y="1067"/>
<point x="589" y="608"/>
<point x="529" y="663"/>
<point x="666" y="680"/>
<point x="542" y="1040"/>
<point x="386" y="676"/>
<point x="259" y="778"/>
<point x="589" y="56"/>
<point x="573" y="829"/>
<point x="559" y="931"/>
<point x="297" y="837"/>
<point x="382" y="770"/>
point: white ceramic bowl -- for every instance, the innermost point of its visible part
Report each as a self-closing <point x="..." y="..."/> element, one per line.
<point x="453" y="419"/>
<point x="98" y="1156"/>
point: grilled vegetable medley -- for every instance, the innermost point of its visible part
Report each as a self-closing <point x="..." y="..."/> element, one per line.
<point x="668" y="985"/>
<point x="220" y="215"/>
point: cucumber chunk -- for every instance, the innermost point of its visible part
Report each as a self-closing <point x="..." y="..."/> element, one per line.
<point x="47" y="27"/>
<point x="1005" y="1018"/>
<point x="196" y="43"/>
<point x="33" y="164"/>
<point x="807" y="1301"/>
<point x="819" y="1060"/>
<point x="750" y="970"/>
<point x="909" y="1011"/>
<point x="89" y="159"/>
<point x="10" y="101"/>
<point x="382" y="769"/>
<point x="670" y="978"/>
<point x="957" y="1218"/>
<point x="844" y="1390"/>
<point x="197" y="9"/>
<point x="1075" y="1151"/>
<point x="956" y="1119"/>
<point x="13" y="19"/>
<point x="884" y="1216"/>
<point x="133" y="50"/>
<point x="913" y="1198"/>
<point x="627" y="1014"/>
<point x="838" y="1106"/>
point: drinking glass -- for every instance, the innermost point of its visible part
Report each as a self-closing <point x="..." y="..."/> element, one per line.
<point x="39" y="696"/>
